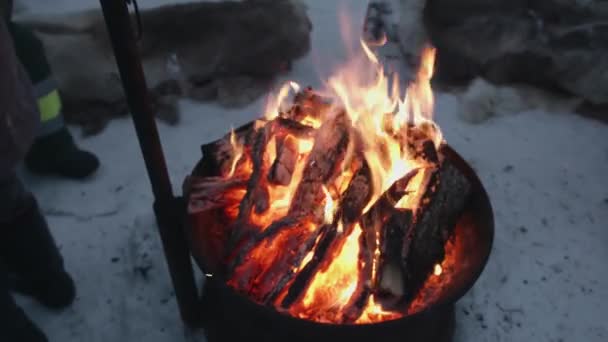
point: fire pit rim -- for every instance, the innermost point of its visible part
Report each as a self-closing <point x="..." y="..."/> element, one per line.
<point x="446" y="301"/>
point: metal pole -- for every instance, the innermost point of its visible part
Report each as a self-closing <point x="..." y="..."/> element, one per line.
<point x="168" y="209"/>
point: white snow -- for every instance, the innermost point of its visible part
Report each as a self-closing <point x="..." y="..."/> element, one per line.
<point x="545" y="173"/>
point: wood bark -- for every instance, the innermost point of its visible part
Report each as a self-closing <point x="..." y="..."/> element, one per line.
<point x="329" y="149"/>
<point x="284" y="165"/>
<point x="442" y="205"/>
<point x="301" y="282"/>
<point x="256" y="194"/>
<point x="209" y="193"/>
<point x="307" y="103"/>
<point x="414" y="243"/>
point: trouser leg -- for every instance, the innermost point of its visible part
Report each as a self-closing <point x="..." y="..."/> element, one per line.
<point x="27" y="248"/>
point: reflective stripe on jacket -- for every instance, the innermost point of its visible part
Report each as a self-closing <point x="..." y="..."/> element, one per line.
<point x="49" y="106"/>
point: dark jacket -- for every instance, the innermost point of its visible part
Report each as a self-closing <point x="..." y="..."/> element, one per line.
<point x="6" y="9"/>
<point x="19" y="116"/>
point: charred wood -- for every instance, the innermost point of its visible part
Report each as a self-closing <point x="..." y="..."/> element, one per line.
<point x="354" y="308"/>
<point x="284" y="165"/>
<point x="209" y="193"/>
<point x="380" y="224"/>
<point x="285" y="126"/>
<point x="218" y="155"/>
<point x="252" y="239"/>
<point x="301" y="282"/>
<point x="253" y="187"/>
<point x="307" y="103"/>
<point x="390" y="278"/>
<point x="255" y="192"/>
<point x="420" y="143"/>
<point x="356" y="196"/>
<point x="329" y="149"/>
<point x="441" y="206"/>
<point x="301" y="252"/>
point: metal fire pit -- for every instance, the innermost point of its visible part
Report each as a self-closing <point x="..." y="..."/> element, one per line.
<point x="229" y="316"/>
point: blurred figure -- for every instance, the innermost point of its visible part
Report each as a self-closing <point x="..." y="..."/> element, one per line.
<point x="30" y="261"/>
<point x="54" y="151"/>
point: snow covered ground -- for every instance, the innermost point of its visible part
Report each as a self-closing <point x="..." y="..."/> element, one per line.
<point x="545" y="173"/>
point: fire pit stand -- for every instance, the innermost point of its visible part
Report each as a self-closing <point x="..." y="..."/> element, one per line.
<point x="168" y="209"/>
<point x="229" y="316"/>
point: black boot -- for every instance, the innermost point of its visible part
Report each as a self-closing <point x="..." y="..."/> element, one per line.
<point x="57" y="154"/>
<point x="32" y="256"/>
<point x="14" y="324"/>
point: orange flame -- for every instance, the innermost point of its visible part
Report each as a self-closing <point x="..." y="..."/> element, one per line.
<point x="332" y="288"/>
<point x="381" y="120"/>
<point x="380" y="116"/>
<point x="274" y="103"/>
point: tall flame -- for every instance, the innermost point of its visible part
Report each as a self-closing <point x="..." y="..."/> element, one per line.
<point x="380" y="114"/>
<point x="382" y="118"/>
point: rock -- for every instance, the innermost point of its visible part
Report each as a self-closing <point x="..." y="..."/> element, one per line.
<point x="412" y="35"/>
<point x="556" y="44"/>
<point x="185" y="48"/>
<point x="483" y="100"/>
<point x="239" y="91"/>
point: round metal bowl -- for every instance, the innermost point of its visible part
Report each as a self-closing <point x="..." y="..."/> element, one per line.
<point x="230" y="316"/>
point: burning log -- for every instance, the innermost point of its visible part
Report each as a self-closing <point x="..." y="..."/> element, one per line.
<point x="255" y="193"/>
<point x="307" y="104"/>
<point x="353" y="202"/>
<point x="327" y="234"/>
<point x="390" y="281"/>
<point x="443" y="202"/>
<point x="373" y="243"/>
<point x="314" y="235"/>
<point x="301" y="251"/>
<point x="221" y="152"/>
<point x="330" y="239"/>
<point x="329" y="148"/>
<point x="255" y="239"/>
<point x="209" y="193"/>
<point x="414" y="244"/>
<point x="421" y="146"/>
<point x="365" y="266"/>
<point x="256" y="197"/>
<point x="356" y="196"/>
<point x="398" y="249"/>
<point x="285" y="163"/>
<point x="283" y="127"/>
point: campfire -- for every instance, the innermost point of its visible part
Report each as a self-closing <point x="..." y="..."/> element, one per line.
<point x="338" y="206"/>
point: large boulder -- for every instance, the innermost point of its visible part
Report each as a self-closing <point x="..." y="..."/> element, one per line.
<point x="557" y="44"/>
<point x="228" y="51"/>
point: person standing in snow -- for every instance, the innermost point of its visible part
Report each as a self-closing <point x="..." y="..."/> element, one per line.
<point x="30" y="261"/>
<point x="54" y="151"/>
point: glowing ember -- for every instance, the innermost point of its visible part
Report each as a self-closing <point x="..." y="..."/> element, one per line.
<point x="331" y="289"/>
<point x="329" y="210"/>
<point x="437" y="270"/>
